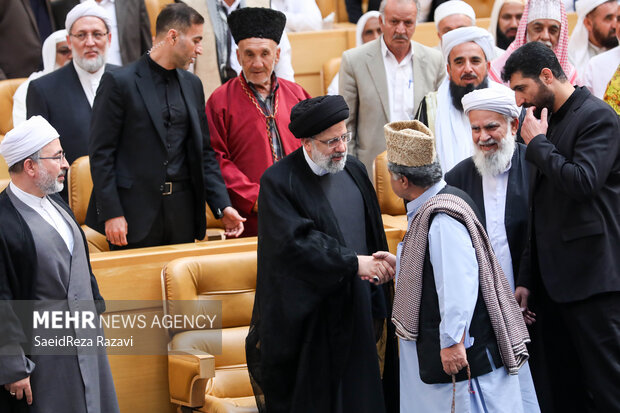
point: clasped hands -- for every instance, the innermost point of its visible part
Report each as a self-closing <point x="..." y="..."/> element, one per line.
<point x="377" y="268"/>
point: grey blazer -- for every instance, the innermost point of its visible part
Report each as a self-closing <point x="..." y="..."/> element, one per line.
<point x="363" y="84"/>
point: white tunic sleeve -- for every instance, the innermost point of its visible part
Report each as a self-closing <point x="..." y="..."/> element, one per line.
<point x="455" y="268"/>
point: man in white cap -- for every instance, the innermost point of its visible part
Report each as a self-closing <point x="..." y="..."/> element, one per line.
<point x="462" y="338"/>
<point x="452" y="15"/>
<point x="543" y="21"/>
<point x="386" y="79"/>
<point x="505" y="18"/>
<point x="594" y="33"/>
<point x="497" y="179"/>
<point x="601" y="68"/>
<point x="65" y="96"/>
<point x="44" y="257"/>
<point x="467" y="52"/>
<point x="56" y="54"/>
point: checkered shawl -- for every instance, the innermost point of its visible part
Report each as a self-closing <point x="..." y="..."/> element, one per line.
<point x="561" y="49"/>
<point x="506" y="318"/>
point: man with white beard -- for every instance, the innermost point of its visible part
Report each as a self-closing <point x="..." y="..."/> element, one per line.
<point x="496" y="177"/>
<point x="65" y="97"/>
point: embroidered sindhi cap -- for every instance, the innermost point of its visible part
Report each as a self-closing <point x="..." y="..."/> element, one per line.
<point x="409" y="143"/>
<point x="260" y="22"/>
<point x="312" y="116"/>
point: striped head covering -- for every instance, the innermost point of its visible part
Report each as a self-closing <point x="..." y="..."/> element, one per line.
<point x="561" y="49"/>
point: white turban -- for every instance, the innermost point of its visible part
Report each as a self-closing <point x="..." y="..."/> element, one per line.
<point x="88" y="8"/>
<point x="454" y="7"/>
<point x="359" y="28"/>
<point x="468" y="34"/>
<point x="544" y="9"/>
<point x="48" y="51"/>
<point x="26" y="138"/>
<point x="500" y="99"/>
<point x="578" y="43"/>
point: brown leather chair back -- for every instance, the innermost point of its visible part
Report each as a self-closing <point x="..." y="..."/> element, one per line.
<point x="153" y="7"/>
<point x="7" y="90"/>
<point x="389" y="202"/>
<point x="230" y="279"/>
<point x="329" y="70"/>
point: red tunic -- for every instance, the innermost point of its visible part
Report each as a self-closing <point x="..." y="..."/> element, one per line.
<point x="240" y="139"/>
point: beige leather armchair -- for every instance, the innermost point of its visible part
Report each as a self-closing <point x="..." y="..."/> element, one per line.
<point x="392" y="207"/>
<point x="328" y="71"/>
<point x="199" y="380"/>
<point x="7" y="90"/>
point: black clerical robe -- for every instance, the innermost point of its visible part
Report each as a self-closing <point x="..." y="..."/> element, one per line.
<point x="465" y="176"/>
<point x="307" y="299"/>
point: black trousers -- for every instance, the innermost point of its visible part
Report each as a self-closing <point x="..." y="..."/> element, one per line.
<point x="579" y="360"/>
<point x="174" y="223"/>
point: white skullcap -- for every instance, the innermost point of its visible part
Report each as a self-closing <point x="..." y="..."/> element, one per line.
<point x="544" y="9"/>
<point x="454" y="7"/>
<point x="468" y="34"/>
<point x="500" y="99"/>
<point x="359" y="27"/>
<point x="26" y="138"/>
<point x="48" y="51"/>
<point x="88" y="8"/>
<point x="578" y="43"/>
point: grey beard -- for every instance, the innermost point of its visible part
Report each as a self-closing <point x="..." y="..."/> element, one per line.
<point x="495" y="163"/>
<point x="325" y="161"/>
<point x="90" y="65"/>
<point x="47" y="183"/>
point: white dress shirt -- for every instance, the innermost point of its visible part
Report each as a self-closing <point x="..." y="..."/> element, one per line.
<point x="114" y="51"/>
<point x="400" y="83"/>
<point x="89" y="81"/>
<point x="48" y="212"/>
<point x="494" y="193"/>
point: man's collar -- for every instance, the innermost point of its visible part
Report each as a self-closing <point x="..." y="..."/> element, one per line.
<point x="232" y="7"/>
<point x="385" y="52"/>
<point x="274" y="83"/>
<point x="414" y="205"/>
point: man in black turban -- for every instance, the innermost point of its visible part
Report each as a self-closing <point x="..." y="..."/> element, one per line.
<point x="322" y="296"/>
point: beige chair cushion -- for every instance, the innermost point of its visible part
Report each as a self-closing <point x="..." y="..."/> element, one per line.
<point x="389" y="202"/>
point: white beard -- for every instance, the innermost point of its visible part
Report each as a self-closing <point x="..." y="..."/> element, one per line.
<point x="325" y="161"/>
<point x="493" y="164"/>
<point x="90" y="65"/>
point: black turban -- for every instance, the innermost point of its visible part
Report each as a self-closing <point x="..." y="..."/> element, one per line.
<point x="312" y="116"/>
<point x="260" y="22"/>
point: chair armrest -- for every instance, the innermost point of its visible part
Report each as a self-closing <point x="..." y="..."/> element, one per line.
<point x="187" y="377"/>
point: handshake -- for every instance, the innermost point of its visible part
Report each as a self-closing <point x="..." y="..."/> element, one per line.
<point x="377" y="268"/>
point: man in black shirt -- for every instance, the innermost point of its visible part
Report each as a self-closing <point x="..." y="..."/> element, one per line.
<point x="151" y="160"/>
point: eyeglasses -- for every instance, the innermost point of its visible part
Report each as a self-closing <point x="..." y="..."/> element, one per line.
<point x="97" y="36"/>
<point x="345" y="138"/>
<point x="58" y="158"/>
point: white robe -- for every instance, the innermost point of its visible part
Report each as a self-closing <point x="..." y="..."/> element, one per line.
<point x="456" y="277"/>
<point x="600" y="70"/>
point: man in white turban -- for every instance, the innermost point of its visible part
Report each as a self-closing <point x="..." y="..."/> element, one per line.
<point x="452" y="15"/>
<point x="505" y="18"/>
<point x="594" y="33"/>
<point x="56" y="54"/>
<point x="65" y="96"/>
<point x="467" y="52"/>
<point x="497" y="178"/>
<point x="601" y="68"/>
<point x="44" y="257"/>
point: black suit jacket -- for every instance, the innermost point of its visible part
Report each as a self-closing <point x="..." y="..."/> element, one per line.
<point x="132" y="19"/>
<point x="128" y="154"/>
<point x="60" y="98"/>
<point x="466" y="177"/>
<point x="574" y="235"/>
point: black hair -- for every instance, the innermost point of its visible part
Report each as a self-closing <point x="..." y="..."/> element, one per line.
<point x="178" y="16"/>
<point x="421" y="176"/>
<point x="530" y="59"/>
